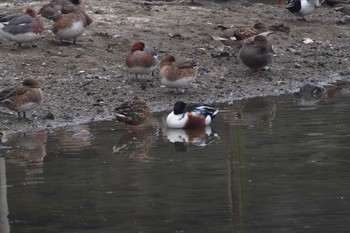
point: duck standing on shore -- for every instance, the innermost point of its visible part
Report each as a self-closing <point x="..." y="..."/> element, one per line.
<point x="21" y="28"/>
<point x="302" y="7"/>
<point x="257" y="52"/>
<point x="70" y="19"/>
<point x="177" y="74"/>
<point x="22" y="98"/>
<point x="71" y="25"/>
<point x="143" y="59"/>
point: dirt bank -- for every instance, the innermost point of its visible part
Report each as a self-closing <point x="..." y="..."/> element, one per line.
<point x="84" y="82"/>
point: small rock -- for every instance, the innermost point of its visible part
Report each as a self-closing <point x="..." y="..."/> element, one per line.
<point x="49" y="116"/>
<point x="297" y="65"/>
<point x="218" y="54"/>
<point x="175" y="35"/>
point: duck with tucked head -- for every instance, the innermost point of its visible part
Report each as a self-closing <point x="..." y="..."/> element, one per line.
<point x="302" y="7"/>
<point x="184" y="116"/>
<point x="133" y="112"/>
<point x="71" y="25"/>
<point x="177" y="74"/>
<point x="56" y="7"/>
<point x="26" y="27"/>
<point x="22" y="98"/>
<point x="257" y="52"/>
<point x="142" y="59"/>
<point x="236" y="36"/>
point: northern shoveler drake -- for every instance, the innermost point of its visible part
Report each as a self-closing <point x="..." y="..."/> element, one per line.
<point x="142" y="59"/>
<point x="56" y="7"/>
<point x="71" y="25"/>
<point x="184" y="116"/>
<point x="237" y="35"/>
<point x="133" y="112"/>
<point x="22" y="28"/>
<point x="177" y="74"/>
<point x="22" y="98"/>
<point x="302" y="7"/>
<point x="257" y="52"/>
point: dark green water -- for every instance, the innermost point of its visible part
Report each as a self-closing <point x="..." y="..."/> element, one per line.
<point x="278" y="166"/>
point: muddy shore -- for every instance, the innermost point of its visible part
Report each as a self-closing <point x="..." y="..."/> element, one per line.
<point x="84" y="82"/>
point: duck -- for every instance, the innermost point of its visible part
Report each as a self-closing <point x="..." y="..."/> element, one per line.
<point x="302" y="7"/>
<point x="22" y="98"/>
<point x="236" y="36"/>
<point x="20" y="28"/>
<point x="143" y="59"/>
<point x="257" y="52"/>
<point x="56" y="7"/>
<point x="177" y="74"/>
<point x="71" y="25"/>
<point x="133" y="112"/>
<point x="189" y="116"/>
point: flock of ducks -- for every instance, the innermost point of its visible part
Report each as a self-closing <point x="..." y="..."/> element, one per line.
<point x="68" y="16"/>
<point x="134" y="112"/>
<point x="70" y="21"/>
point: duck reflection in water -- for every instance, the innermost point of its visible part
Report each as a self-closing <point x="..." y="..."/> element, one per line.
<point x="74" y="137"/>
<point x="135" y="144"/>
<point x="28" y="148"/>
<point x="199" y="137"/>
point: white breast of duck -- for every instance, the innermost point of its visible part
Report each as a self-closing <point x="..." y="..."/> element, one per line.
<point x="308" y="6"/>
<point x="21" y="37"/>
<point x="76" y="29"/>
<point x="302" y="7"/>
<point x="176" y="83"/>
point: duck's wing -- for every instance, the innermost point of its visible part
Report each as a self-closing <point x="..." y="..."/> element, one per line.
<point x="6" y="17"/>
<point x="190" y="63"/>
<point x="206" y="110"/>
<point x="245" y="32"/>
<point x="131" y="108"/>
<point x="9" y="94"/>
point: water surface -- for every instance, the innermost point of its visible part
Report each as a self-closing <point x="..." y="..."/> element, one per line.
<point x="273" y="164"/>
